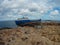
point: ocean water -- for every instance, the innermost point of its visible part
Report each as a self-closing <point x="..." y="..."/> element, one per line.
<point x="8" y="24"/>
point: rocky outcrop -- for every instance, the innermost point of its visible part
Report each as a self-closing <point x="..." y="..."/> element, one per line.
<point x="48" y="35"/>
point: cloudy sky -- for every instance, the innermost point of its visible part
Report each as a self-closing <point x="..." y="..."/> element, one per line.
<point x="33" y="9"/>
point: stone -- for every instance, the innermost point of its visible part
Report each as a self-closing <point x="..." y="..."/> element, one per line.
<point x="24" y="38"/>
<point x="2" y="43"/>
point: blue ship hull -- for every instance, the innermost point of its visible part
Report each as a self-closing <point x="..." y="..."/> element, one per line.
<point x="23" y="22"/>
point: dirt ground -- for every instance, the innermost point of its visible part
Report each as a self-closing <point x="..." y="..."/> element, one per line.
<point x="47" y="35"/>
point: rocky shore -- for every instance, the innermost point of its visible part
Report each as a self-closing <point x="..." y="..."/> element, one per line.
<point x="47" y="35"/>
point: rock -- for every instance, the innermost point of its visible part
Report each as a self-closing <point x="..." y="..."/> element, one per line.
<point x="25" y="38"/>
<point x="2" y="43"/>
<point x="1" y="39"/>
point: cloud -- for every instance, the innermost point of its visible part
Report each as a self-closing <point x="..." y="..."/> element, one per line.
<point x="12" y="3"/>
<point x="54" y="14"/>
<point x="57" y="2"/>
<point x="24" y="11"/>
<point x="30" y="8"/>
<point x="33" y="7"/>
<point x="1" y="1"/>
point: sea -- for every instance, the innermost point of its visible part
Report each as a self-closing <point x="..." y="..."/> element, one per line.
<point x="8" y="24"/>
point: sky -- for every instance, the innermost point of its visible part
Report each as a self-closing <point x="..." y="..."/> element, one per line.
<point x="33" y="9"/>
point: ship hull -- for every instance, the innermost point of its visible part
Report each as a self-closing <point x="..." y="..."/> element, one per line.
<point x="24" y="22"/>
